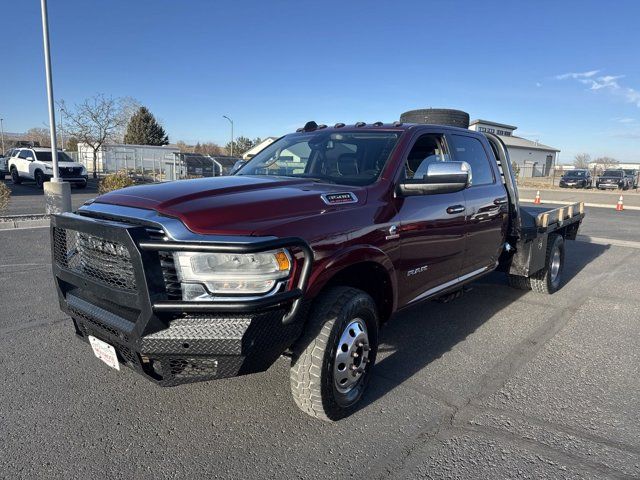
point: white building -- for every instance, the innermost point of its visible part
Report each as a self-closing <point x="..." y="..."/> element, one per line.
<point x="533" y="159"/>
<point x="155" y="162"/>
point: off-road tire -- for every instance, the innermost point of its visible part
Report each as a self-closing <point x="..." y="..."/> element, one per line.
<point x="543" y="281"/>
<point x="437" y="116"/>
<point x="15" y="177"/>
<point x="311" y="374"/>
<point x="519" y="282"/>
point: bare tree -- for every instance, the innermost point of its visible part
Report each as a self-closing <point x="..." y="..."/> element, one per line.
<point x="602" y="163"/>
<point x="582" y="160"/>
<point x="207" y="148"/>
<point x="97" y="120"/>
<point x="40" y="136"/>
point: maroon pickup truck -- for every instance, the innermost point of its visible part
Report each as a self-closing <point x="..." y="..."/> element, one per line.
<point x="306" y="251"/>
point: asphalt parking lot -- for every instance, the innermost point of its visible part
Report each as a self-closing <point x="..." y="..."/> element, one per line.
<point x="499" y="383"/>
<point x="27" y="199"/>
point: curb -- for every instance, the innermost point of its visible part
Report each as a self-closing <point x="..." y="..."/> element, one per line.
<point x="11" y="222"/>
<point x="597" y="205"/>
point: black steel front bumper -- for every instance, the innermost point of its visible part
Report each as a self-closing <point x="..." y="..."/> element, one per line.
<point x="169" y="341"/>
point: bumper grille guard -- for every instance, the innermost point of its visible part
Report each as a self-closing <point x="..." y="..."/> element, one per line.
<point x="133" y="263"/>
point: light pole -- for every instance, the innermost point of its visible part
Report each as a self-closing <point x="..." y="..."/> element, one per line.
<point x="2" y="133"/>
<point x="231" y="122"/>
<point x="58" y="193"/>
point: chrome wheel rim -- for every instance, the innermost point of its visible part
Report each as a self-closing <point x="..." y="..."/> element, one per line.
<point x="352" y="356"/>
<point x="555" y="264"/>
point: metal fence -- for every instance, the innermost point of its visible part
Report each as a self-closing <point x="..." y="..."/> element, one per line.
<point x="153" y="165"/>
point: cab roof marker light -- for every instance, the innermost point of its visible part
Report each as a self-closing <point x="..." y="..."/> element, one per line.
<point x="321" y="126"/>
<point x="397" y="124"/>
<point x="360" y="124"/>
<point x="310" y="126"/>
<point x="377" y="124"/>
<point x="338" y="125"/>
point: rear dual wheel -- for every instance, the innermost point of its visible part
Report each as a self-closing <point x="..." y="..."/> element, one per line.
<point x="332" y="361"/>
<point x="549" y="279"/>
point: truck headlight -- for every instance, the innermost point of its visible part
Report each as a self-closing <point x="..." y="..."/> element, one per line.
<point x="203" y="274"/>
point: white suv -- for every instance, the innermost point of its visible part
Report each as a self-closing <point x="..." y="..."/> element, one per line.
<point x="36" y="164"/>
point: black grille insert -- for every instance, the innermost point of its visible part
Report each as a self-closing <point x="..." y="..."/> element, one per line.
<point x="102" y="260"/>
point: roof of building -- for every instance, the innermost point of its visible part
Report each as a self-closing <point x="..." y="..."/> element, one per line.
<point x="495" y="124"/>
<point x="518" y="142"/>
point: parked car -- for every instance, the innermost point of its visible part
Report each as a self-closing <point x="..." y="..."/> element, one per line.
<point x="4" y="169"/>
<point x="633" y="175"/>
<point x="308" y="249"/>
<point x="36" y="164"/>
<point x="578" y="178"/>
<point x="612" y="179"/>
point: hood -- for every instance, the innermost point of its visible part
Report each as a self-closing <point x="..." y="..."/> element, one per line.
<point x="234" y="205"/>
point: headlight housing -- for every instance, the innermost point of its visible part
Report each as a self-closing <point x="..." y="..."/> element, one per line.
<point x="203" y="275"/>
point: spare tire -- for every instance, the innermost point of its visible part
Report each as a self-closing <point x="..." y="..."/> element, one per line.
<point x="437" y="116"/>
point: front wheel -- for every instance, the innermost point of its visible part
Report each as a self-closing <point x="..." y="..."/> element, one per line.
<point x="15" y="177"/>
<point x="549" y="279"/>
<point x="39" y="178"/>
<point x="333" y="359"/>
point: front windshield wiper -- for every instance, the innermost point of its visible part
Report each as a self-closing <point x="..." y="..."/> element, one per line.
<point x="315" y="178"/>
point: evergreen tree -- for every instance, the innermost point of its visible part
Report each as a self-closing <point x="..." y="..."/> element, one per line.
<point x="143" y="129"/>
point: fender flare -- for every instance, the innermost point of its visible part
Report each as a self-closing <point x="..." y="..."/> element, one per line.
<point x="348" y="257"/>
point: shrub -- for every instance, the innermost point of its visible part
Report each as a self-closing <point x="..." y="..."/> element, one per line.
<point x="5" y="195"/>
<point x="113" y="182"/>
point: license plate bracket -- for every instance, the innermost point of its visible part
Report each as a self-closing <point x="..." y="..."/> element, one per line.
<point x="105" y="352"/>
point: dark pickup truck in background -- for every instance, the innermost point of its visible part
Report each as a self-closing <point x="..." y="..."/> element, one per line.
<point x="613" y="179"/>
<point x="306" y="251"/>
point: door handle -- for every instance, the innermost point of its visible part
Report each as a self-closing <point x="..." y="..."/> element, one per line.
<point x="500" y="201"/>
<point x="455" y="209"/>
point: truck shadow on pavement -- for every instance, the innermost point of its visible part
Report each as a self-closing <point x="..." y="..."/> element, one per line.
<point x="422" y="334"/>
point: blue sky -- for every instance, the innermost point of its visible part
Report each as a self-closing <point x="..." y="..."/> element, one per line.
<point x="566" y="73"/>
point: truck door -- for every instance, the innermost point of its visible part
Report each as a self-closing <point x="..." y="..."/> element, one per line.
<point x="431" y="228"/>
<point x="486" y="201"/>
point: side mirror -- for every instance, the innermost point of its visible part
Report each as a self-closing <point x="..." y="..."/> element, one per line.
<point x="441" y="177"/>
<point x="29" y="158"/>
<point x="238" y="165"/>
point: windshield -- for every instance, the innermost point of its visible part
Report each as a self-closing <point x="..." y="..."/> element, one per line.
<point x="46" y="157"/>
<point x="575" y="174"/>
<point x="346" y="158"/>
<point x="612" y="173"/>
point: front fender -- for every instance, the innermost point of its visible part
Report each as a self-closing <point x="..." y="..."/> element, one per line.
<point x="325" y="269"/>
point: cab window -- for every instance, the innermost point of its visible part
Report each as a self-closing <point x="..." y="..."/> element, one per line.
<point x="470" y="150"/>
<point x="24" y="154"/>
<point x="427" y="149"/>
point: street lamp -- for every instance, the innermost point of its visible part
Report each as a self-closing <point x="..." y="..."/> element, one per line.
<point x="58" y="193"/>
<point x="231" y="122"/>
<point x="2" y="133"/>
